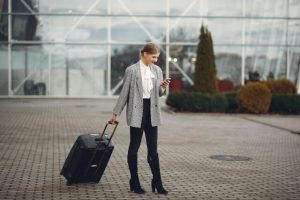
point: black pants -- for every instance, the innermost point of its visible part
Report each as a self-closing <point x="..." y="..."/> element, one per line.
<point x="136" y="134"/>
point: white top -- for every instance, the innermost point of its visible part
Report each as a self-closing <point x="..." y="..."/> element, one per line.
<point x="146" y="80"/>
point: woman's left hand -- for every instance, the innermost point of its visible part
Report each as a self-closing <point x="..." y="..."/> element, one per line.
<point x="165" y="83"/>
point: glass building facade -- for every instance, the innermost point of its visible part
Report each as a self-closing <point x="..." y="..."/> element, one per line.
<point x="81" y="48"/>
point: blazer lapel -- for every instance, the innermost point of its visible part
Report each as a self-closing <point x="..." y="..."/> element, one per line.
<point x="139" y="79"/>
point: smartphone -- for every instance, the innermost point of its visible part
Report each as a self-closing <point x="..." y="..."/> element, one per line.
<point x="168" y="79"/>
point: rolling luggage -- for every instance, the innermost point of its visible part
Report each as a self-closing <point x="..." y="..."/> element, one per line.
<point x="88" y="157"/>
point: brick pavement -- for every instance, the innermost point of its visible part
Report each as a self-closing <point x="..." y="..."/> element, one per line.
<point x="37" y="134"/>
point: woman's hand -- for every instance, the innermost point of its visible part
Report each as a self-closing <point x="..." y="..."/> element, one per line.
<point x="165" y="83"/>
<point x="113" y="119"/>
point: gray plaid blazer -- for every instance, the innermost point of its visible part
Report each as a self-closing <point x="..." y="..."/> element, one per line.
<point x="132" y="95"/>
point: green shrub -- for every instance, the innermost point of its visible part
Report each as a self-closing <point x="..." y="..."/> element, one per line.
<point x="254" y="98"/>
<point x="296" y="106"/>
<point x="218" y="103"/>
<point x="281" y="103"/>
<point x="232" y="104"/>
<point x="281" y="86"/>
<point x="285" y="103"/>
<point x="197" y="102"/>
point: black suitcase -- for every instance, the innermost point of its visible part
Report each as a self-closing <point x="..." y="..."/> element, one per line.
<point x="88" y="157"/>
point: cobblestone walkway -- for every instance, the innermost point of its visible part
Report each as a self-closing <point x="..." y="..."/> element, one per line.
<point x="37" y="134"/>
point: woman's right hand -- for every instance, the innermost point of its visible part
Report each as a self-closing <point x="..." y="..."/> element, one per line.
<point x="113" y="119"/>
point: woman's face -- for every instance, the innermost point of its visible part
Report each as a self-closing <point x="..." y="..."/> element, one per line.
<point x="150" y="58"/>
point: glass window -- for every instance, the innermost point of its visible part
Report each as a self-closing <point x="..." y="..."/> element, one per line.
<point x="29" y="67"/>
<point x="59" y="70"/>
<point x="86" y="70"/>
<point x="3" y="70"/>
<point x="294" y="8"/>
<point x="226" y="31"/>
<point x="179" y="7"/>
<point x="271" y="28"/>
<point x="204" y="8"/>
<point x="269" y="31"/>
<point x="265" y="61"/>
<point x="184" y="29"/>
<point x="182" y="67"/>
<point x="3" y="27"/>
<point x="139" y="30"/>
<point x="229" y="64"/>
<point x="71" y="6"/>
<point x="138" y="7"/>
<point x="223" y="31"/>
<point x="3" y="6"/>
<point x="266" y="8"/>
<point x="25" y="6"/>
<point x="25" y="27"/>
<point x="295" y="65"/>
<point x="58" y="28"/>
<point x="70" y="28"/>
<point x="225" y="8"/>
<point x="294" y="32"/>
<point x="123" y="56"/>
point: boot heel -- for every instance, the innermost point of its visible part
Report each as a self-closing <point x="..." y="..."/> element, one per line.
<point x="136" y="187"/>
<point x="157" y="185"/>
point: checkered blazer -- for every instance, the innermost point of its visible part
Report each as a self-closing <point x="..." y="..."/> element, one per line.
<point x="132" y="96"/>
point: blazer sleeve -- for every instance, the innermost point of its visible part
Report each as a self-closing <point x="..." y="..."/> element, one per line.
<point x="122" y="100"/>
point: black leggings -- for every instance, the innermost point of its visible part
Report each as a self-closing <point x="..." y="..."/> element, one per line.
<point x="136" y="134"/>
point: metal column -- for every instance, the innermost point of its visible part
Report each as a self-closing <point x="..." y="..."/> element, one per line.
<point x="10" y="93"/>
<point x="109" y="93"/>
<point x="168" y="43"/>
<point x="287" y="42"/>
<point x="243" y="45"/>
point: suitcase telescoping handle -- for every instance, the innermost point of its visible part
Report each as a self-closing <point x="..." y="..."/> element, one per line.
<point x="112" y="134"/>
<point x="98" y="145"/>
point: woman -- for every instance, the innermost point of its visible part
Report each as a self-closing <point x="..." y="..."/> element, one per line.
<point x="143" y="85"/>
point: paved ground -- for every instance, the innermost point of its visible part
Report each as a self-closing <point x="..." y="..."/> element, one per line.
<point x="37" y="134"/>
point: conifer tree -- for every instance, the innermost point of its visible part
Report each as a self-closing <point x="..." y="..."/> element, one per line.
<point x="205" y="78"/>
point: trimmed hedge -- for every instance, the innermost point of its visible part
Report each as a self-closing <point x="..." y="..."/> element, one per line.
<point x="285" y="103"/>
<point x="197" y="102"/>
<point x="231" y="102"/>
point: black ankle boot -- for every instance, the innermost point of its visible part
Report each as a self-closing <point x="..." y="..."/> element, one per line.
<point x="156" y="182"/>
<point x="157" y="185"/>
<point x="134" y="182"/>
<point x="136" y="187"/>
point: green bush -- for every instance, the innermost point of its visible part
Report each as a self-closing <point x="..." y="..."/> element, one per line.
<point x="296" y="106"/>
<point x="254" y="98"/>
<point x="218" y="103"/>
<point x="285" y="103"/>
<point x="232" y="104"/>
<point x="197" y="102"/>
